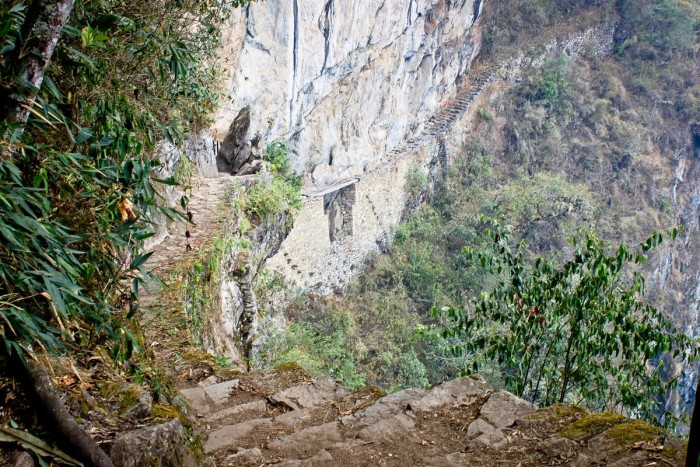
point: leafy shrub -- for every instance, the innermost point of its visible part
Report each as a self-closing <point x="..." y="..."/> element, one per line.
<point x="324" y="346"/>
<point x="277" y="154"/>
<point x="549" y="84"/>
<point x="270" y="196"/>
<point x="576" y="332"/>
<point x="277" y="191"/>
<point x="416" y="181"/>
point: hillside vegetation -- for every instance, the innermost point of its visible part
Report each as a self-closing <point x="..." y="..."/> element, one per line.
<point x="576" y="144"/>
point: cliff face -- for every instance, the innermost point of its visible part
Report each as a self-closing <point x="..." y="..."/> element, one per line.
<point x="346" y="81"/>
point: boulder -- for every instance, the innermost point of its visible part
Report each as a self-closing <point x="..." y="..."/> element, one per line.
<point x="154" y="446"/>
<point x="503" y="409"/>
<point x="23" y="459"/>
<point x="308" y="395"/>
<point x="140" y="406"/>
<point x="235" y="151"/>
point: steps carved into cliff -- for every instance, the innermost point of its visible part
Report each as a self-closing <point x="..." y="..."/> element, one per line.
<point x="283" y="417"/>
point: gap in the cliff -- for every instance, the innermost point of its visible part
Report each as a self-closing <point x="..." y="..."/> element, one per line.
<point x="338" y="206"/>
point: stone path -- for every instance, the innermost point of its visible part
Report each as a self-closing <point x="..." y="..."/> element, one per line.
<point x="283" y="417"/>
<point x="439" y="124"/>
<point x="207" y="197"/>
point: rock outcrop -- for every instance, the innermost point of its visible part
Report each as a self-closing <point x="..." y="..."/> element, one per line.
<point x="160" y="445"/>
<point x="347" y="81"/>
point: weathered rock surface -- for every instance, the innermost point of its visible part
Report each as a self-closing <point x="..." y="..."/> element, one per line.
<point x="23" y="459"/>
<point x="129" y="400"/>
<point x="345" y="81"/>
<point x="503" y="409"/>
<point x="154" y="446"/>
<point x="236" y="151"/>
<point x="308" y="395"/>
<point x="279" y="421"/>
<point x="141" y="407"/>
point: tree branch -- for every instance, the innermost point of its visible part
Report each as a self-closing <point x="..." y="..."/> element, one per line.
<point x="86" y="450"/>
<point x="42" y="29"/>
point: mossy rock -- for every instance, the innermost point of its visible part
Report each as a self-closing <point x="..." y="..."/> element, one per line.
<point x="632" y="432"/>
<point x="591" y="425"/>
<point x="129" y="396"/>
<point x="291" y="367"/>
<point x="637" y="435"/>
<point x="197" y="357"/>
<point x="79" y="402"/>
<point x="554" y="413"/>
<point x="165" y="412"/>
<point x="111" y="389"/>
<point x="373" y="391"/>
<point x="226" y="373"/>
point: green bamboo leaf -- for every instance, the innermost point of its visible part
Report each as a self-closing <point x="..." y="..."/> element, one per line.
<point x="83" y="135"/>
<point x="140" y="260"/>
<point x="36" y="445"/>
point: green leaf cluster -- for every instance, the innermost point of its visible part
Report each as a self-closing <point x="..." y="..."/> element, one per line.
<point x="576" y="332"/>
<point x="277" y="191"/>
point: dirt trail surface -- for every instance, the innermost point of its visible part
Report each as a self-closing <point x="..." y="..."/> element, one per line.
<point x="208" y="199"/>
<point x="283" y="417"/>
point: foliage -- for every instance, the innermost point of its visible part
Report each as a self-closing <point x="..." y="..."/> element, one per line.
<point x="577" y="332"/>
<point x="277" y="154"/>
<point x="416" y="181"/>
<point x="75" y="183"/>
<point x="667" y="25"/>
<point x="660" y="46"/>
<point x="323" y="346"/>
<point x="278" y="191"/>
<point x="270" y="196"/>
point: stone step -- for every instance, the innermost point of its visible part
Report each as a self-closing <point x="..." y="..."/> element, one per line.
<point x="391" y="419"/>
<point x="207" y="399"/>
<point x="238" y="413"/>
<point x="228" y="436"/>
<point x="307" y="442"/>
<point x="460" y="422"/>
<point x="309" y="395"/>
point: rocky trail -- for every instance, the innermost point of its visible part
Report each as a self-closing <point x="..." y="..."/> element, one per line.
<point x="283" y="417"/>
<point x="207" y="198"/>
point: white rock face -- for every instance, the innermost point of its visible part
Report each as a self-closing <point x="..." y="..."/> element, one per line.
<point x="344" y="80"/>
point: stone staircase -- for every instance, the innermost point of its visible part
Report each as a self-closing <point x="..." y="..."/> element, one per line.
<point x="436" y="126"/>
<point x="284" y="417"/>
<point x="440" y="123"/>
